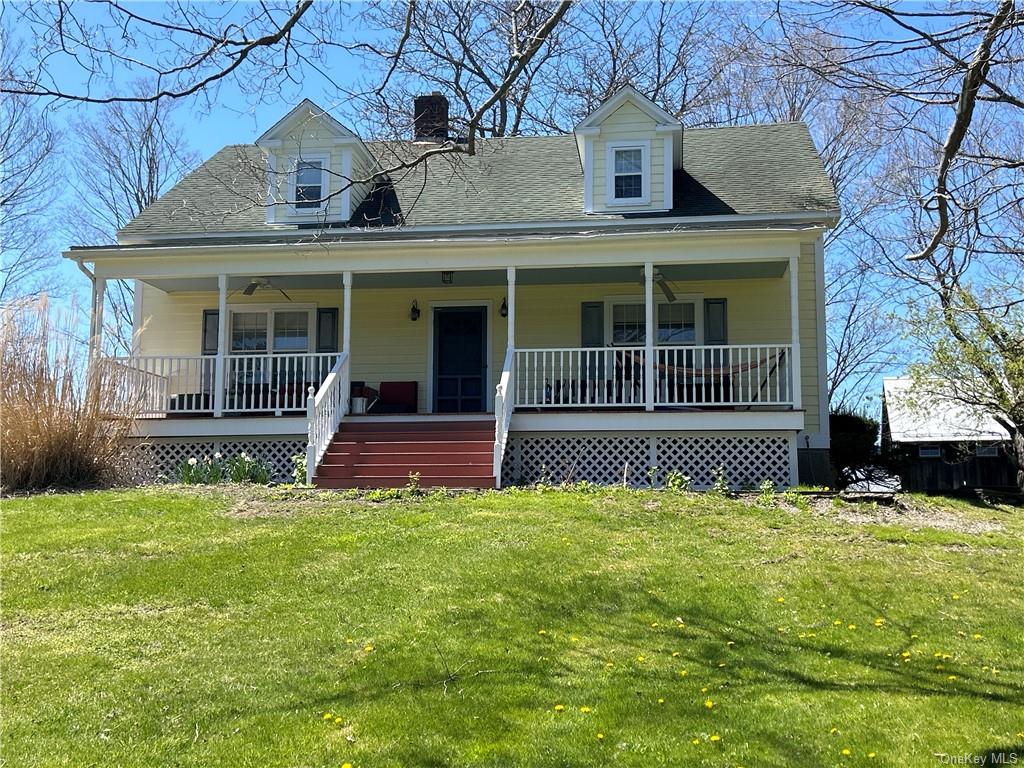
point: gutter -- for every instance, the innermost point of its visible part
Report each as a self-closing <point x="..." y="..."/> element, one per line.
<point x="198" y="249"/>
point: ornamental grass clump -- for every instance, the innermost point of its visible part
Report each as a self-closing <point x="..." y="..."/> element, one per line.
<point x="62" y="428"/>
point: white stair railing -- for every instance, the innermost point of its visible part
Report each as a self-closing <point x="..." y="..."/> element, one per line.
<point x="324" y="411"/>
<point x="504" y="405"/>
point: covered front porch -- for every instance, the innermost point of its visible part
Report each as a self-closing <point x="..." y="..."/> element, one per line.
<point x="647" y="337"/>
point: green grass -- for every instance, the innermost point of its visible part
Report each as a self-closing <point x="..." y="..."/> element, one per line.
<point x="176" y="628"/>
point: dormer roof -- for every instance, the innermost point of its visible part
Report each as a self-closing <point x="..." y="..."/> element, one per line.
<point x="628" y="94"/>
<point x="306" y="114"/>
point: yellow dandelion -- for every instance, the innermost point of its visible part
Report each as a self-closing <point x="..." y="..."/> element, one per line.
<point x="834" y="731"/>
<point x="851" y="627"/>
<point x="338" y="721"/>
<point x="812" y="634"/>
<point x="368" y="648"/>
<point x="956" y="596"/>
<point x="584" y="710"/>
<point x="914" y="637"/>
<point x="559" y="707"/>
<point x="684" y="672"/>
<point x="715" y="737"/>
<point x="609" y="664"/>
<point x="328" y="715"/>
<point x="704" y="690"/>
<point x="640" y="659"/>
<point x="574" y="639"/>
<point x="905" y="654"/>
<point x="977" y="636"/>
<point x="542" y="631"/>
<point x="951" y="677"/>
<point x="730" y="643"/>
<point x="349" y="641"/>
<point x="695" y="741"/>
<point x="675" y="654"/>
<point x="346" y="765"/>
<point x="780" y="600"/>
<point x="709" y="704"/>
<point x="661" y="701"/>
<point x="721" y="664"/>
<point x="838" y="622"/>
<point x="879" y="622"/>
<point x="600" y="737"/>
<point x="654" y="625"/>
<point x="871" y="755"/>
<point x="845" y="751"/>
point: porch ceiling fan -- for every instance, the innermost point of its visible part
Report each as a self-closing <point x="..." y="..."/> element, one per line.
<point x="262" y="284"/>
<point x="663" y="286"/>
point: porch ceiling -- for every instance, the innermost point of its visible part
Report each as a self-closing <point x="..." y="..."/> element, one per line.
<point x="553" y="276"/>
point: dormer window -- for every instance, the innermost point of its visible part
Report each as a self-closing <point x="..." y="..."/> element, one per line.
<point x="309" y="187"/>
<point x="308" y="184"/>
<point x="628" y="171"/>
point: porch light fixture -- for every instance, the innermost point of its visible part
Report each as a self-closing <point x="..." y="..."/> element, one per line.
<point x="447" y="278"/>
<point x="504" y="307"/>
<point x="414" y="311"/>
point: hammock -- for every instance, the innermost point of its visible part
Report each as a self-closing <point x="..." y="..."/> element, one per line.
<point x="713" y="371"/>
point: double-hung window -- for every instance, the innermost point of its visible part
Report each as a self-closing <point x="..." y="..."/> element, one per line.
<point x="676" y="324"/>
<point x="275" y="330"/>
<point x="629" y="173"/>
<point x="309" y="184"/>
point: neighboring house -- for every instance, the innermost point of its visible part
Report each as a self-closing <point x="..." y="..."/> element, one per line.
<point x="939" y="444"/>
<point x="580" y="307"/>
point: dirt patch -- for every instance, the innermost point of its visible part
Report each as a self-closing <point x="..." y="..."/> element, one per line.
<point x="904" y="511"/>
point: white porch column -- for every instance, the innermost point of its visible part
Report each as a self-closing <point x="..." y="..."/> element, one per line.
<point x="346" y="327"/>
<point x="794" y="321"/>
<point x="222" y="345"/>
<point x="650" y="364"/>
<point x="99" y="296"/>
<point x="511" y="299"/>
<point x="138" y="319"/>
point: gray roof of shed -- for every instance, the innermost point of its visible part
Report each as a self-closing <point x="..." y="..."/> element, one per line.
<point x="744" y="170"/>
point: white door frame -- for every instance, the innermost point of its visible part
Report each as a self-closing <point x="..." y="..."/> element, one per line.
<point x="487" y="305"/>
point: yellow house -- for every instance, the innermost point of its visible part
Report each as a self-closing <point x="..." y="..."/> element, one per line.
<point x="624" y="304"/>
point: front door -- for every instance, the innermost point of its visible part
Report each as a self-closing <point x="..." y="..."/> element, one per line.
<point x="460" y="359"/>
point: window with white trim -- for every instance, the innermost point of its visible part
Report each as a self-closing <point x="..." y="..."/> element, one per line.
<point x="628" y="173"/>
<point x="281" y="330"/>
<point x="678" y="323"/>
<point x="309" y="184"/>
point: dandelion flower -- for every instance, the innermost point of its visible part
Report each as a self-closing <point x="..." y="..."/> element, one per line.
<point x="338" y="721"/>
<point x="951" y="677"/>
<point x="846" y="751"/>
<point x="654" y="625"/>
<point x="600" y="737"/>
<point x="721" y="664"/>
<point x="977" y="636"/>
<point x="837" y="622"/>
<point x="781" y="600"/>
<point x="871" y="755"/>
<point x="661" y="701"/>
<point x="640" y="659"/>
<point x="574" y="639"/>
<point x="905" y="654"/>
<point x="914" y="637"/>
<point x="584" y="710"/>
<point x="328" y="715"/>
<point x="879" y="622"/>
<point x="695" y="741"/>
<point x="709" y="704"/>
<point x="675" y="653"/>
<point x="851" y="627"/>
<point x="559" y="707"/>
<point x="349" y="641"/>
<point x="956" y="596"/>
<point x="542" y="632"/>
<point x="346" y="765"/>
<point x="715" y="737"/>
<point x="703" y="690"/>
<point x="368" y="648"/>
<point x="834" y="731"/>
<point x="609" y="664"/>
<point x="684" y="672"/>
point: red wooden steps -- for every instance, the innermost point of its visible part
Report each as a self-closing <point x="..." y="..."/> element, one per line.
<point x="382" y="454"/>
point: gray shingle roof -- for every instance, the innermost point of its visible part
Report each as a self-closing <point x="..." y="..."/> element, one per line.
<point x="744" y="170"/>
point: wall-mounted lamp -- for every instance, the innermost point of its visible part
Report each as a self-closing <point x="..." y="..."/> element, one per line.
<point x="504" y="307"/>
<point x="414" y="311"/>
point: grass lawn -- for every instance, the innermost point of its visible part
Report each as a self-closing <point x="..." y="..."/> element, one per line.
<point x="180" y="628"/>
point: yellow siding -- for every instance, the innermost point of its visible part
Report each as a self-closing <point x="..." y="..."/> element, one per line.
<point x="810" y="375"/>
<point x="387" y="345"/>
<point x="628" y="123"/>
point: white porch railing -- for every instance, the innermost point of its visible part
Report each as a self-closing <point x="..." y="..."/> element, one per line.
<point x="253" y="383"/>
<point x="599" y="377"/>
<point x="324" y="410"/>
<point x="504" y="405"/>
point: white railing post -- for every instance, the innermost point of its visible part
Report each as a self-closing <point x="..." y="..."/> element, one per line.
<point x="794" y="319"/>
<point x="222" y="324"/>
<point x="649" y="368"/>
<point x="310" y="432"/>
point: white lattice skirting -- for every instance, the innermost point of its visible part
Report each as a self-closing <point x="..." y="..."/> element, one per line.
<point x="747" y="458"/>
<point x="157" y="459"/>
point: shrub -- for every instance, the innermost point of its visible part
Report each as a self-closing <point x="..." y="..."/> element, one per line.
<point x="61" y="427"/>
<point x="244" y="468"/>
<point x="853" y="443"/>
<point x="766" y="493"/>
<point x="299" y="468"/>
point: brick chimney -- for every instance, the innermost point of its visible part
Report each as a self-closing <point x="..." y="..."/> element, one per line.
<point x="430" y="116"/>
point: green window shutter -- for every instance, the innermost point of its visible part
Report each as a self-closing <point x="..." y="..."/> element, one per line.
<point x="592" y="324"/>
<point x="327" y="330"/>
<point x="716" y="321"/>
<point x="211" y="327"/>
